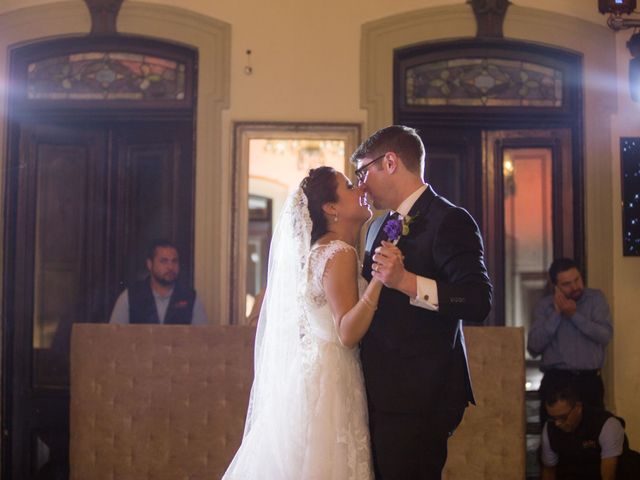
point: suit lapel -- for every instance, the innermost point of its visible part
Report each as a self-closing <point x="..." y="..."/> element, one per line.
<point x="420" y="210"/>
<point x="374" y="237"/>
<point x="375" y="233"/>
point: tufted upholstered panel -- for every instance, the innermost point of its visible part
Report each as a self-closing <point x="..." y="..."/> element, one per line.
<point x="168" y="402"/>
<point x="157" y="402"/>
<point x="490" y="441"/>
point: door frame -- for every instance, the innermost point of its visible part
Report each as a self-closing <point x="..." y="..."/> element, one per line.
<point x="568" y="116"/>
<point x="211" y="37"/>
<point x="15" y="445"/>
<point x="243" y="133"/>
<point x="565" y="236"/>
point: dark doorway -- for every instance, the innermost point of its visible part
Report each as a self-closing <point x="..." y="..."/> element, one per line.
<point x="472" y="100"/>
<point x="96" y="169"/>
<point x="502" y="123"/>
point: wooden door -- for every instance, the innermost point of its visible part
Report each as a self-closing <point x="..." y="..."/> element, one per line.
<point x="153" y="190"/>
<point x="83" y="201"/>
<point x="57" y="231"/>
<point x="465" y="165"/>
<point x="562" y="208"/>
<point x="453" y="165"/>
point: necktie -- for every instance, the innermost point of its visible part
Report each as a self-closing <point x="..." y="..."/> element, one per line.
<point x="370" y="248"/>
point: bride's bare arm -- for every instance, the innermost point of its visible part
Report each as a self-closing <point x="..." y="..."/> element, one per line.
<point x="352" y="314"/>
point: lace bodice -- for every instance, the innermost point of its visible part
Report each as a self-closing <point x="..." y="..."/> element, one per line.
<point x="320" y="319"/>
<point x="318" y="258"/>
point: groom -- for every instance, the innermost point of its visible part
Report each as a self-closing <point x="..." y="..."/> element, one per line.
<point x="413" y="356"/>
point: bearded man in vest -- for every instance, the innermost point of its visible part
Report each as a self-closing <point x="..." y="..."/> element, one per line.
<point x="160" y="298"/>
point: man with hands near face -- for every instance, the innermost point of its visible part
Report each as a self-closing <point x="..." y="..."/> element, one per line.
<point x="429" y="255"/>
<point x="571" y="329"/>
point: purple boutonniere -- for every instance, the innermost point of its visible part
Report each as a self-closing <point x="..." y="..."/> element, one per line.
<point x="181" y="304"/>
<point x="398" y="227"/>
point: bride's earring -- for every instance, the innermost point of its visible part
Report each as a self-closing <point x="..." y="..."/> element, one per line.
<point x="335" y="219"/>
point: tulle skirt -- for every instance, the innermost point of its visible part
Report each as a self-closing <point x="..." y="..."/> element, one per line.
<point x="321" y="430"/>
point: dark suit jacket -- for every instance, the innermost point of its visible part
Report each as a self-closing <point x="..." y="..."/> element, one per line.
<point x="413" y="359"/>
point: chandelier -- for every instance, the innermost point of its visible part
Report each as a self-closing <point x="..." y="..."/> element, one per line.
<point x="309" y="153"/>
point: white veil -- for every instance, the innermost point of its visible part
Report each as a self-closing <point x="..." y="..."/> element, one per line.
<point x="275" y="424"/>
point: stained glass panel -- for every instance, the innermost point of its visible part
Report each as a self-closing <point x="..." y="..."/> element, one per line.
<point x="106" y="76"/>
<point x="483" y="82"/>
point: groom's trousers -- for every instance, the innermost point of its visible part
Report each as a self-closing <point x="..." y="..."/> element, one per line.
<point x="412" y="446"/>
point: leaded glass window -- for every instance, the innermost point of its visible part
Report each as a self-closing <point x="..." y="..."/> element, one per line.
<point x="483" y="82"/>
<point x="106" y="76"/>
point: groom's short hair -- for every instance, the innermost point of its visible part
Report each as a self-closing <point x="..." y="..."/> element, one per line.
<point x="403" y="141"/>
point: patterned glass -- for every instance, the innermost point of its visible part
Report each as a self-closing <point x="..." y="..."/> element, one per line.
<point x="483" y="82"/>
<point x="106" y="76"/>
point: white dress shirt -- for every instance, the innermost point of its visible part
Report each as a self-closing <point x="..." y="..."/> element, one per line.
<point x="426" y="288"/>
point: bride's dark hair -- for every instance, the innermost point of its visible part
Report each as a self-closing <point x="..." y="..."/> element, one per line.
<point x="320" y="187"/>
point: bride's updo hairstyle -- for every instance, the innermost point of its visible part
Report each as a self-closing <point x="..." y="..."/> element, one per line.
<point x="320" y="187"/>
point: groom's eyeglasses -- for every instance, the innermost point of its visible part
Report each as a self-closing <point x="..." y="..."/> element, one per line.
<point x="361" y="173"/>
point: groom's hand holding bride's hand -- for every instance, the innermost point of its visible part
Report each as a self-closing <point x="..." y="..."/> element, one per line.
<point x="388" y="266"/>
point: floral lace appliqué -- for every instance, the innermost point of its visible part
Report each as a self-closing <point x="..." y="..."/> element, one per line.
<point x="318" y="258"/>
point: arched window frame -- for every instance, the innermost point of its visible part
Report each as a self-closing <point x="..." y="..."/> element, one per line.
<point x="24" y="58"/>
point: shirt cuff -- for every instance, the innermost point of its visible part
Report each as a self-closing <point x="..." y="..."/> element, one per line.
<point x="427" y="296"/>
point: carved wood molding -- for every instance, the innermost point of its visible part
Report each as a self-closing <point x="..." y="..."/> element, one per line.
<point x="489" y="16"/>
<point x="104" y="14"/>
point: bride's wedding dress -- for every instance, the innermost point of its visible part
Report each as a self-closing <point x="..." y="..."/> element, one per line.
<point x="338" y="432"/>
<point x="314" y="425"/>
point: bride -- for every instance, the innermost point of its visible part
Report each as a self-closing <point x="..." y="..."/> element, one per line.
<point x="307" y="416"/>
